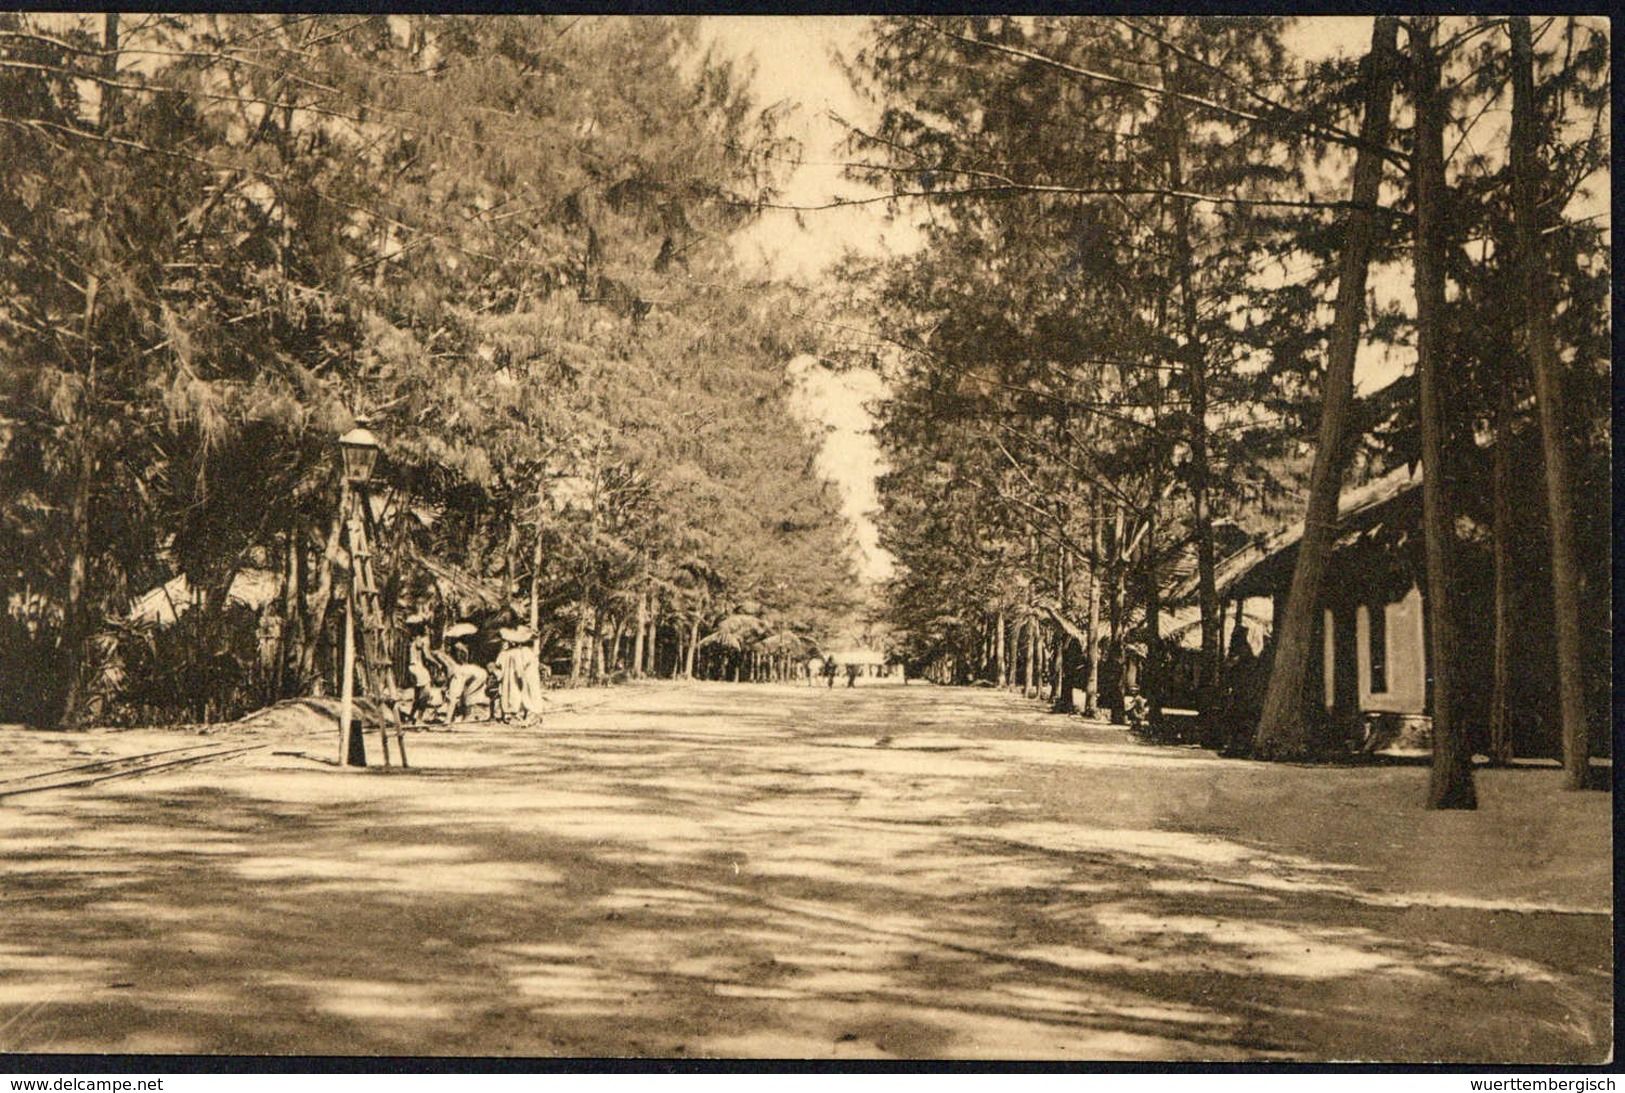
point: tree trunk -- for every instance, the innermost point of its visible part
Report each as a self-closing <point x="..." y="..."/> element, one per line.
<point x="1451" y="784"/>
<point x="510" y="560"/>
<point x="283" y="608"/>
<point x="1029" y="688"/>
<point x="1154" y="683"/>
<point x="1061" y="685"/>
<point x="1195" y="362"/>
<point x="108" y="113"/>
<point x="578" y="647"/>
<point x="693" y="643"/>
<point x="613" y="659"/>
<point x="1001" y="667"/>
<point x="1501" y="658"/>
<point x="596" y="668"/>
<point x="1119" y="624"/>
<point x="1030" y="685"/>
<point x="651" y="627"/>
<point x="585" y="579"/>
<point x="1282" y="732"/>
<point x="1542" y="344"/>
<point x="76" y="614"/>
<point x="536" y="582"/>
<point x="316" y="630"/>
<point x="298" y="624"/>
<point x="1091" y="687"/>
<point x="1013" y="653"/>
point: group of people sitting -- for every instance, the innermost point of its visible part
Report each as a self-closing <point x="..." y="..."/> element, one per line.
<point x="449" y="684"/>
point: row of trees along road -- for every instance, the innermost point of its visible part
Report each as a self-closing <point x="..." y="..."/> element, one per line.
<point x="503" y="238"/>
<point x="1155" y="248"/>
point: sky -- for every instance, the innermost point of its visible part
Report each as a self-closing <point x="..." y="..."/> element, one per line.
<point x="836" y="405"/>
<point x="794" y="59"/>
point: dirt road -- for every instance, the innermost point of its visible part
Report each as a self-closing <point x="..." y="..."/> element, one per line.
<point x="718" y="870"/>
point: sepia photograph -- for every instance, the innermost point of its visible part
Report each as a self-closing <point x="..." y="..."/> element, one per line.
<point x="822" y="539"/>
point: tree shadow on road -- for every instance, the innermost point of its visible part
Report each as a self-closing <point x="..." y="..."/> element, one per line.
<point x="768" y="903"/>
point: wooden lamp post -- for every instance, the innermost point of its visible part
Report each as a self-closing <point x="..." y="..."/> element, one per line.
<point x="359" y="448"/>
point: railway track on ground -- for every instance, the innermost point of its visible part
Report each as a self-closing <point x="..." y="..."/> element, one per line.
<point x="123" y="766"/>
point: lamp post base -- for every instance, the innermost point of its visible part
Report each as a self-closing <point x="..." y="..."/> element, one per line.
<point x="355" y="750"/>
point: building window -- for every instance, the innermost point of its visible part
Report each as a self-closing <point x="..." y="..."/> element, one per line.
<point x="1377" y="639"/>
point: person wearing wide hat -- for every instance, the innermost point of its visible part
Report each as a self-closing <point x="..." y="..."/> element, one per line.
<point x="465" y="688"/>
<point x="425" y="695"/>
<point x="520" y="672"/>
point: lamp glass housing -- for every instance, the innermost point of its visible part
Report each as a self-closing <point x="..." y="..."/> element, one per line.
<point x="360" y="450"/>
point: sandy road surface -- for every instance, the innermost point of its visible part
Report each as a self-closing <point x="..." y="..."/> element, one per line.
<point x="720" y="870"/>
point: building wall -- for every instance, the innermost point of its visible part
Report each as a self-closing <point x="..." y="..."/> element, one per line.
<point x="1406" y="653"/>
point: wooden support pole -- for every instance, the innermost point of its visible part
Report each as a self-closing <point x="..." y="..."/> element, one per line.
<point x="347" y="686"/>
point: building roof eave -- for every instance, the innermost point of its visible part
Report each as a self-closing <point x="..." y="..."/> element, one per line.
<point x="1262" y="568"/>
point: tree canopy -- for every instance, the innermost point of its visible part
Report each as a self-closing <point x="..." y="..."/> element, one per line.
<point x="1110" y="358"/>
<point x="502" y="238"/>
<point x="1161" y="262"/>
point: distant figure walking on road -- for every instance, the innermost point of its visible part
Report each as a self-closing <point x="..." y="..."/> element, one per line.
<point x="829" y="672"/>
<point x="852" y="671"/>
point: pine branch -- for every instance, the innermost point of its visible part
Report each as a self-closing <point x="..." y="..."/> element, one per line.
<point x="1325" y="132"/>
<point x="1094" y="477"/>
<point x="43" y="126"/>
<point x="155" y="88"/>
<point x="207" y="57"/>
<point x="1100" y="408"/>
<point x="425" y="127"/>
<point x="1285" y="115"/>
<point x="1059" y="538"/>
<point x="1018" y="189"/>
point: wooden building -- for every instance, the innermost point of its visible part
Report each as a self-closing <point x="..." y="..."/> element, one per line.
<point x="1372" y="677"/>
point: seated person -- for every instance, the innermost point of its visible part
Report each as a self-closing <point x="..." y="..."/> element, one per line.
<point x="465" y="687"/>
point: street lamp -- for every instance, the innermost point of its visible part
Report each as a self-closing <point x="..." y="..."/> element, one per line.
<point x="360" y="450"/>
